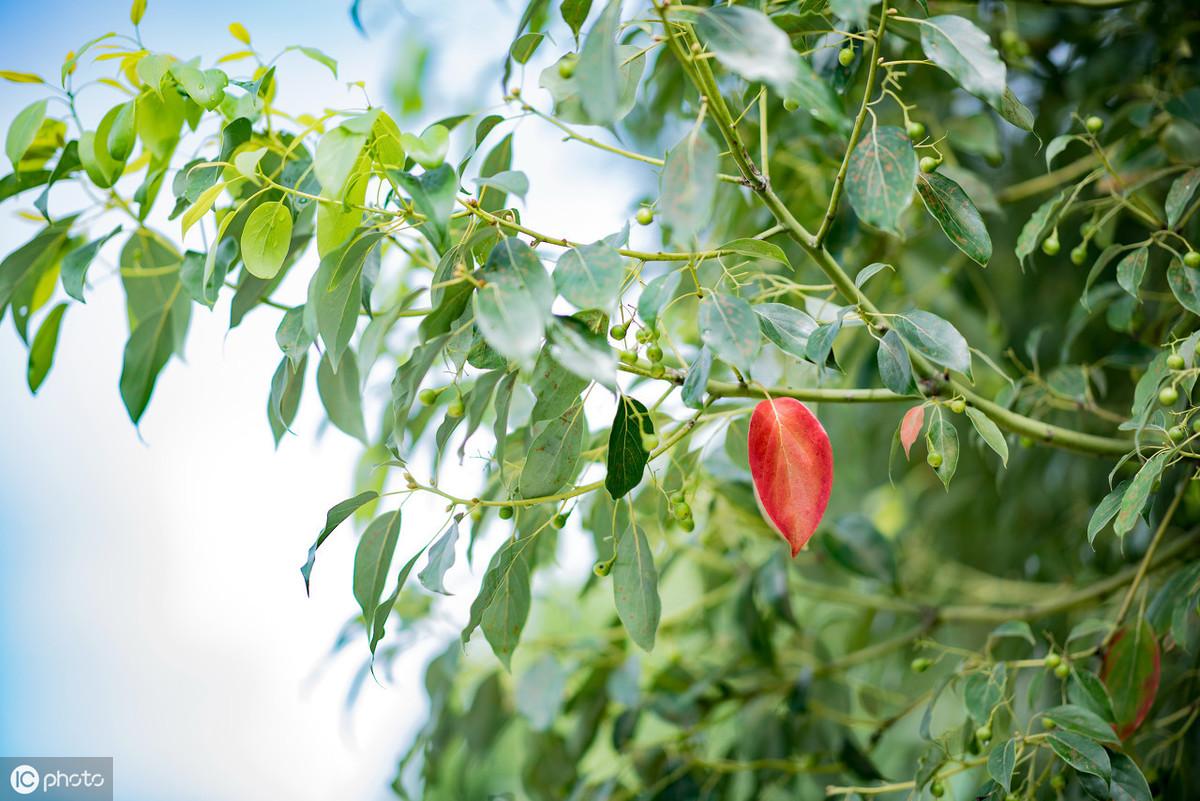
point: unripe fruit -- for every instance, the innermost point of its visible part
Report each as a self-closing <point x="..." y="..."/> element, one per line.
<point x="1168" y="395"/>
<point x="1079" y="254"/>
<point x="1051" y="245"/>
<point x="654" y="353"/>
<point x="602" y="569"/>
<point x="934" y="459"/>
<point x="1094" y="124"/>
<point x="649" y="442"/>
<point x="1058" y="782"/>
<point x="476" y="513"/>
<point x="790" y="105"/>
<point x="566" y="67"/>
<point x="1196" y="348"/>
<point x="1177" y="433"/>
<point x="657" y="370"/>
<point x="428" y="396"/>
<point x="559" y="521"/>
<point x="916" y="131"/>
<point x="1052" y="660"/>
<point x="958" y="406"/>
<point x="1009" y="37"/>
<point x="645" y="215"/>
<point x="983" y="734"/>
<point x="618" y="331"/>
<point x="1026" y="442"/>
<point x="920" y="664"/>
<point x="1048" y="724"/>
<point x="1062" y="671"/>
<point x="455" y="408"/>
<point x="1175" y="361"/>
<point x="1196" y="425"/>
<point x="846" y="56"/>
<point x="687" y="525"/>
<point x="644" y="335"/>
<point x="928" y="164"/>
<point x="505" y="513"/>
<point x="937" y="790"/>
<point x="678" y="497"/>
<point x="1191" y="259"/>
<point x="628" y="356"/>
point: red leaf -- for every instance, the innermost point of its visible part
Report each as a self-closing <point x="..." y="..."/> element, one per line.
<point x="910" y="427"/>
<point x="1131" y="672"/>
<point x="791" y="463"/>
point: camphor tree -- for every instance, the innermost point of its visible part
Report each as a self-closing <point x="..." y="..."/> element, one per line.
<point x="967" y="230"/>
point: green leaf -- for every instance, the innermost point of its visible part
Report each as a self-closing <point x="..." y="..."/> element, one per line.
<point x="206" y="87"/>
<point x="1131" y="269"/>
<point x="1081" y="721"/>
<point x="688" y="186"/>
<point x="333" y="518"/>
<point x="627" y="454"/>
<point x="695" y="384"/>
<point x="525" y="46"/>
<point x="942" y="437"/>
<point x="730" y="328"/>
<point x="553" y="456"/>
<point x="502" y="606"/>
<point x="121" y="135"/>
<point x="1037" y="225"/>
<point x="855" y="544"/>
<point x="749" y="43"/>
<point x="964" y="51"/>
<point x="1131" y="673"/>
<point x="22" y="131"/>
<point x="1106" y="511"/>
<point x="870" y="271"/>
<point x="539" y="693"/>
<point x="1013" y="629"/>
<point x="756" y="248"/>
<point x="266" y="239"/>
<point x="319" y="57"/>
<point x="337" y="152"/>
<point x="335" y="294"/>
<point x="507" y="182"/>
<point x="983" y="691"/>
<point x="935" y="339"/>
<point x="957" y="215"/>
<point x="598" y="74"/>
<point x="1185" y="284"/>
<point x="372" y="560"/>
<point x="880" y="177"/>
<point x="575" y="13"/>
<point x="554" y="387"/>
<point x="147" y="351"/>
<point x="1081" y="753"/>
<point x="1138" y="493"/>
<point x="1180" y="195"/>
<point x="340" y="394"/>
<point x="41" y="352"/>
<point x="895" y="369"/>
<point x="428" y="149"/>
<point x="1085" y="689"/>
<point x="585" y="353"/>
<point x="513" y="309"/>
<point x="376" y="627"/>
<point x="590" y="276"/>
<point x="441" y="559"/>
<point x="853" y="11"/>
<point x="656" y="295"/>
<point x="1002" y="761"/>
<point x="787" y="327"/>
<point x="1127" y="782"/>
<point x="292" y="337"/>
<point x="287" y="385"/>
<point x="432" y="194"/>
<point x="635" y="586"/>
<point x="989" y="432"/>
<point x="75" y="264"/>
<point x="567" y="92"/>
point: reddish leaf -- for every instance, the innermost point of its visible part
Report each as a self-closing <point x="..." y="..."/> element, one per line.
<point x="791" y="463"/>
<point x="1131" y="672"/>
<point x="910" y="427"/>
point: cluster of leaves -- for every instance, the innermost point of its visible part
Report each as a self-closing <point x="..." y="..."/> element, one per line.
<point x="928" y="643"/>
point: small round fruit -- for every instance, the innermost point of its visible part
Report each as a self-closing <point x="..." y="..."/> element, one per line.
<point x="688" y="525"/>
<point x="916" y="131"/>
<point x="428" y="396"/>
<point x="657" y="370"/>
<point x="1051" y="246"/>
<point x="928" y="164"/>
<point x="1094" y="124"/>
<point x="1175" y="361"/>
<point x="937" y="790"/>
<point x="618" y="331"/>
<point x="643" y="335"/>
<point x="654" y="353"/>
<point x="602" y="569"/>
<point x="1196" y="426"/>
<point x="1177" y="433"/>
<point x="649" y="442"/>
<point x="559" y="521"/>
<point x="1168" y="395"/>
<point x="566" y="67"/>
<point x="1052" y="660"/>
<point x="983" y="734"/>
<point x="934" y="459"/>
<point x="1026" y="442"/>
<point x="645" y="215"/>
<point x="1079" y="254"/>
<point x="958" y="406"/>
<point x="628" y="356"/>
<point x="920" y="664"/>
<point x="1196" y="348"/>
<point x="1048" y="724"/>
<point x="678" y="497"/>
<point x="681" y="511"/>
<point x="790" y="104"/>
<point x="505" y="513"/>
<point x="1009" y="37"/>
<point x="1063" y="670"/>
<point x="455" y="408"/>
<point x="476" y="513"/>
<point x="846" y="56"/>
<point x="1191" y="259"/>
<point x="1058" y="782"/>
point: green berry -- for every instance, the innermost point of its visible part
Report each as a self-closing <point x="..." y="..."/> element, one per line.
<point x="1079" y="254"/>
<point x="654" y="353"/>
<point x="1168" y="395"/>
<point x="1063" y="670"/>
<point x="1048" y="724"/>
<point x="681" y="510"/>
<point x="1196" y="425"/>
<point x="476" y="513"/>
<point x="559" y="521"/>
<point x="958" y="406"/>
<point x="505" y="512"/>
<point x="1175" y="361"/>
<point x="1026" y="442"/>
<point x="1052" y="660"/>
<point x="618" y="331"/>
<point x="678" y="497"/>
<point x="645" y="215"/>
<point x="687" y="524"/>
<point x="643" y="335"/>
<point x="1094" y="124"/>
<point x="1191" y="259"/>
<point x="657" y="370"/>
<point x="937" y="790"/>
<point x="846" y="56"/>
<point x="649" y="442"/>
<point x="1196" y="349"/>
<point x="790" y="105"/>
<point x="928" y="164"/>
<point x="1058" y="782"/>
<point x="920" y="664"/>
<point x="983" y="733"/>
<point x="428" y="396"/>
<point x="455" y="408"/>
<point x="628" y="356"/>
<point x="1051" y="246"/>
<point x="1012" y="797"/>
<point x="916" y="131"/>
<point x="602" y="569"/>
<point x="1009" y="37"/>
<point x="1177" y="433"/>
<point x="566" y="66"/>
<point x="934" y="459"/>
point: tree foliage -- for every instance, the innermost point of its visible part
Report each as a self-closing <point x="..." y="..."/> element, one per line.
<point x="958" y="229"/>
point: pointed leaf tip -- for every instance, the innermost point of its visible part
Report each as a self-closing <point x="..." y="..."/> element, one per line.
<point x="791" y="462"/>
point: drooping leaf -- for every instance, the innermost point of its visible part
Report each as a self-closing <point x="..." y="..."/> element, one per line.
<point x="1081" y="721"/>
<point x="582" y="351"/>
<point x="964" y="51"/>
<point x="695" y="383"/>
<point x="895" y="369"/>
<point x="512" y="309"/>
<point x="287" y="385"/>
<point x="1131" y="672"/>
<point x="1002" y="761"/>
<point x="75" y="264"/>
<point x="627" y="454"/>
<point x="635" y="586"/>
<point x="935" y="339"/>
<point x="441" y="559"/>
<point x="942" y="438"/>
<point x="983" y="690"/>
<point x="41" y="351"/>
<point x="1185" y="285"/>
<point x="880" y="177"/>
<point x="502" y="606"/>
<point x="990" y="433"/>
<point x="791" y="463"/>
<point x="1036" y="226"/>
<point x="910" y="427"/>
<point x="598" y="74"/>
<point x="1180" y="195"/>
<point x="688" y="186"/>
<point x="730" y="329"/>
<point x="1131" y="269"/>
<point x="333" y="518"/>
<point x="1138" y="492"/>
<point x="372" y="559"/>
<point x="341" y="395"/>
<point x="553" y="455"/>
<point x="22" y="131"/>
<point x="657" y="293"/>
<point x="1081" y="753"/>
<point x="957" y="215"/>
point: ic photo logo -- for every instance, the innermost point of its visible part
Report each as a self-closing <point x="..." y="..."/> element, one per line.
<point x="24" y="779"/>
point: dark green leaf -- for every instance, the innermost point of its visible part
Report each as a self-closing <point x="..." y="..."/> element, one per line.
<point x="855" y="544"/>
<point x="957" y="216"/>
<point x="287" y="384"/>
<point x="1138" y="493"/>
<point x="502" y="606"/>
<point x="341" y="395"/>
<point x="990" y="433"/>
<point x="787" y="327"/>
<point x="935" y="339"/>
<point x="1185" y="284"/>
<point x="964" y="51"/>
<point x="941" y="437"/>
<point x="553" y="456"/>
<point x="895" y="369"/>
<point x="372" y="560"/>
<point x="41" y="352"/>
<point x="1002" y="761"/>
<point x="333" y="518"/>
<point x="432" y="194"/>
<point x="1081" y="753"/>
<point x="1081" y="721"/>
<point x="1180" y="194"/>
<point x="1106" y="511"/>
<point x="626" y="452"/>
<point x="1131" y="269"/>
<point x="880" y="178"/>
